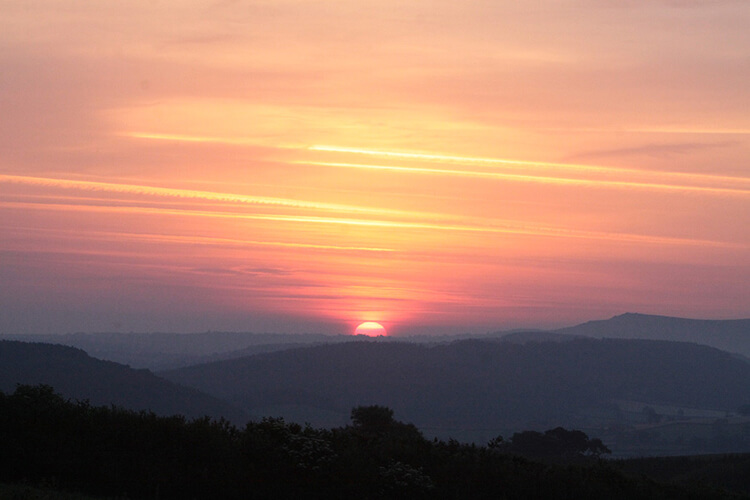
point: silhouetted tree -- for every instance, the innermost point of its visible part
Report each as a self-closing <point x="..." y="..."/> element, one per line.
<point x="496" y="443"/>
<point x="110" y="452"/>
<point x="557" y="443"/>
<point x="373" y="418"/>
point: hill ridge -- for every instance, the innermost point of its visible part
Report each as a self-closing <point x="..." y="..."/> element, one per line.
<point x="479" y="383"/>
<point x="75" y="374"/>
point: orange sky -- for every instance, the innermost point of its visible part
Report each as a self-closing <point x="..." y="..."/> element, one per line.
<point x="435" y="166"/>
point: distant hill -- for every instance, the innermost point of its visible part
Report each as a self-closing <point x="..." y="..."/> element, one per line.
<point x="164" y="351"/>
<point x="728" y="335"/>
<point x="480" y="388"/>
<point x="161" y="351"/>
<point x="75" y="374"/>
<point x="525" y="336"/>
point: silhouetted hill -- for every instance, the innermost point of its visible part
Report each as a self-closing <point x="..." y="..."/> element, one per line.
<point x="480" y="388"/>
<point x="165" y="351"/>
<point x="162" y="351"/>
<point x="731" y="335"/>
<point x="75" y="374"/>
<point x="525" y="336"/>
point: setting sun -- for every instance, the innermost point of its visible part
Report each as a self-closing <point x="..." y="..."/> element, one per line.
<point x="370" y="329"/>
<point x="444" y="167"/>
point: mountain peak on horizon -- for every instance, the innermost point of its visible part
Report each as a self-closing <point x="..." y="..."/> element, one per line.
<point x="731" y="335"/>
<point x="643" y="316"/>
<point x="637" y="315"/>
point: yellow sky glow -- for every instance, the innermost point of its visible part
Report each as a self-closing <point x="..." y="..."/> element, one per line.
<point x="308" y="166"/>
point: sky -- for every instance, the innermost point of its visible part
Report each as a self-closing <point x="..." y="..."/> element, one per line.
<point x="434" y="166"/>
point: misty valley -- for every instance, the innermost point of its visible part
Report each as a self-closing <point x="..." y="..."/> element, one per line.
<point x="596" y="397"/>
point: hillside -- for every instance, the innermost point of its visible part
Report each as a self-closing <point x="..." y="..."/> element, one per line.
<point x="75" y="374"/>
<point x="526" y="336"/>
<point x="476" y="389"/>
<point x="728" y="335"/>
<point x="162" y="351"/>
<point x="165" y="351"/>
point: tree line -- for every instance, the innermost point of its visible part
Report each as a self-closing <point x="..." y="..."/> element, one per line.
<point x="112" y="452"/>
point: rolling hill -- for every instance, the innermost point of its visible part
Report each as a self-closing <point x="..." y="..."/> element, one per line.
<point x="728" y="335"/>
<point x="478" y="389"/>
<point x="162" y="351"/>
<point x="74" y="374"/>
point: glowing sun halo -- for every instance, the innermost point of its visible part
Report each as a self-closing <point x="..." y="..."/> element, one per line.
<point x="370" y="328"/>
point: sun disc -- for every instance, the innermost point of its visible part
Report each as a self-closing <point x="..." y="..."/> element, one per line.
<point x="370" y="329"/>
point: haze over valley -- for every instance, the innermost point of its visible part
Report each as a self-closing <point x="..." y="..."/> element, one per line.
<point x="644" y="384"/>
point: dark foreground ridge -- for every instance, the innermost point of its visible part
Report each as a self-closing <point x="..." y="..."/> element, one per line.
<point x="111" y="452"/>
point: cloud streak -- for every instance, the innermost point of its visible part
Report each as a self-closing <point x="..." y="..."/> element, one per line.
<point x="376" y="150"/>
<point x="654" y="150"/>
<point x="564" y="181"/>
<point x="491" y="227"/>
<point x="136" y="189"/>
